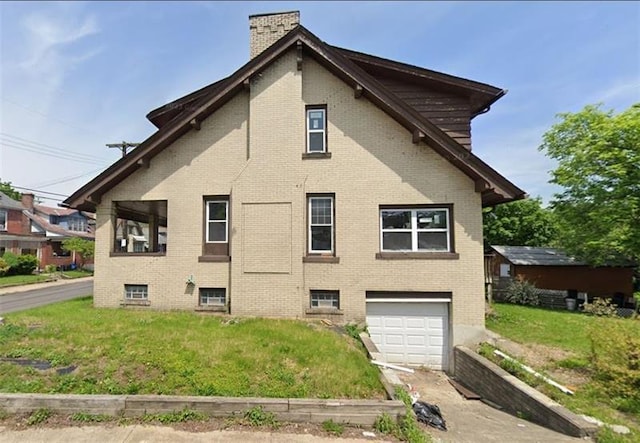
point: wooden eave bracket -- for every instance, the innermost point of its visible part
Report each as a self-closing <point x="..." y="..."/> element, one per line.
<point x="246" y="84"/>
<point x="94" y="198"/>
<point x="358" y="91"/>
<point x="481" y="185"/>
<point x="195" y="124"/>
<point x="418" y="136"/>
<point x="299" y="55"/>
<point x="144" y="161"/>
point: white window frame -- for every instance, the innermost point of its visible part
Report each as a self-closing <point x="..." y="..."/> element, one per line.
<point x="311" y="224"/>
<point x="226" y="221"/>
<point x="221" y="298"/>
<point x="136" y="292"/>
<point x="414" y="230"/>
<point x="3" y="226"/>
<point x="321" y="297"/>
<point x="323" y="130"/>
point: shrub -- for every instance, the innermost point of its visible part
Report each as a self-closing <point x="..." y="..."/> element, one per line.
<point x="600" y="307"/>
<point x="50" y="269"/>
<point x="4" y="267"/>
<point x="615" y="358"/>
<point x="521" y="292"/>
<point x="20" y="264"/>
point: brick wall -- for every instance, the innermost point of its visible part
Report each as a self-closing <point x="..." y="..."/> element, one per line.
<point x="266" y="29"/>
<point x="251" y="149"/>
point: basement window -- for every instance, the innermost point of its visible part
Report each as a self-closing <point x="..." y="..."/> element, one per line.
<point x="325" y="299"/>
<point x="140" y="227"/>
<point x="136" y="292"/>
<point x="213" y="296"/>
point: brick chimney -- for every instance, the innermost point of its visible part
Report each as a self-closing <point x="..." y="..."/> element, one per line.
<point x="266" y="29"/>
<point x="27" y="201"/>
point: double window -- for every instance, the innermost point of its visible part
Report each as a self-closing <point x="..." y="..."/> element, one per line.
<point x="420" y="229"/>
<point x="316" y="129"/>
<point x="321" y="224"/>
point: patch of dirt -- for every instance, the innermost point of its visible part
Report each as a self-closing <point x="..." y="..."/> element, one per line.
<point x="18" y="422"/>
<point x="544" y="358"/>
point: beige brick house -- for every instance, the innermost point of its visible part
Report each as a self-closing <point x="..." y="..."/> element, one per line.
<point x="314" y="182"/>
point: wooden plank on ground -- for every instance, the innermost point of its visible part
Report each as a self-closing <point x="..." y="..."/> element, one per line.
<point x="465" y="392"/>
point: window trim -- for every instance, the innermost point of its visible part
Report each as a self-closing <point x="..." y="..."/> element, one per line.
<point x="212" y="305"/>
<point x="310" y="250"/>
<point x="4" y="226"/>
<point x="309" y="131"/>
<point x="208" y="221"/>
<point x="414" y="251"/>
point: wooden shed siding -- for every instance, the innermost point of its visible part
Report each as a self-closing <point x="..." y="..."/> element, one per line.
<point x="451" y="113"/>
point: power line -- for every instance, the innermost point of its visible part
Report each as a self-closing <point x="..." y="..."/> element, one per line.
<point x="65" y="179"/>
<point x="50" y="154"/>
<point x="20" y="141"/>
<point x="39" y="191"/>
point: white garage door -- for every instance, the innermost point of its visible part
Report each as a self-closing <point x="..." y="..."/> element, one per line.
<point x="412" y="333"/>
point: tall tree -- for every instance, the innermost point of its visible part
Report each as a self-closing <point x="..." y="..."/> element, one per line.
<point x="598" y="155"/>
<point x="83" y="247"/>
<point x="519" y="223"/>
<point x="9" y="191"/>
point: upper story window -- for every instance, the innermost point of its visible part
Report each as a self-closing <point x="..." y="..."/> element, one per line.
<point x="217" y="221"/>
<point x="3" y="220"/>
<point x="321" y="225"/>
<point x="76" y="224"/>
<point x="215" y="241"/>
<point x="316" y="129"/>
<point x="419" y="229"/>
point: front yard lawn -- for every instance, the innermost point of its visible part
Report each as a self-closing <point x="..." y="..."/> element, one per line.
<point x="14" y="280"/>
<point x="597" y="357"/>
<point x="118" y="351"/>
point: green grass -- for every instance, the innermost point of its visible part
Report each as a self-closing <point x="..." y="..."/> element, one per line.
<point x="120" y="351"/>
<point x="570" y="331"/>
<point x="13" y="280"/>
<point x="76" y="274"/>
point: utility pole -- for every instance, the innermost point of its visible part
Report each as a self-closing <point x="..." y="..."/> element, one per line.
<point x="122" y="146"/>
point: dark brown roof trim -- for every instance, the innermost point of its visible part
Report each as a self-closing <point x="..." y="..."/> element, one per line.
<point x="87" y="196"/>
<point x="484" y="95"/>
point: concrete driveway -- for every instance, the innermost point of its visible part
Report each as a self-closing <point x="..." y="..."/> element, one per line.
<point x="473" y="421"/>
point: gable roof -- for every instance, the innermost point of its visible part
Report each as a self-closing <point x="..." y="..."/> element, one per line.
<point x="56" y="229"/>
<point x="47" y="210"/>
<point x="493" y="186"/>
<point x="7" y="202"/>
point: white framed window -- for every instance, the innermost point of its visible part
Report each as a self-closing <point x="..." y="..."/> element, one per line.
<point x="325" y="299"/>
<point x="136" y="292"/>
<point x="321" y="226"/>
<point x="213" y="296"/>
<point x="415" y="229"/>
<point x="3" y="220"/>
<point x="317" y="129"/>
<point x="217" y="221"/>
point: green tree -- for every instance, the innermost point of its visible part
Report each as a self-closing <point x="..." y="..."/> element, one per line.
<point x="519" y="223"/>
<point x="598" y="155"/>
<point x="9" y="191"/>
<point x="84" y="248"/>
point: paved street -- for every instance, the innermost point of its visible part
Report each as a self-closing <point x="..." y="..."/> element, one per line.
<point x="43" y="294"/>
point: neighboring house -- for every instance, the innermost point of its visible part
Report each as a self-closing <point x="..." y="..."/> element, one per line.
<point x="57" y="225"/>
<point x="314" y="182"/>
<point x="550" y="268"/>
<point x="15" y="232"/>
<point x="27" y="228"/>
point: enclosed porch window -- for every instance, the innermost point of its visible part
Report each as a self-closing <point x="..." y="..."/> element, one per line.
<point x="140" y="227"/>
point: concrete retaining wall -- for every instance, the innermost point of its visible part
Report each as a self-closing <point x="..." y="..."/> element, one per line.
<point x="516" y="397"/>
<point x="359" y="412"/>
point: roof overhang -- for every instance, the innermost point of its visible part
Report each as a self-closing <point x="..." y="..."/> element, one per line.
<point x="493" y="187"/>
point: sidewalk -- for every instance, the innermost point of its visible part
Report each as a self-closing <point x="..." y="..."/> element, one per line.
<point x="156" y="434"/>
<point x="34" y="286"/>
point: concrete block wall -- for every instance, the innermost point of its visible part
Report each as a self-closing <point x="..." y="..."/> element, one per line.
<point x="516" y="397"/>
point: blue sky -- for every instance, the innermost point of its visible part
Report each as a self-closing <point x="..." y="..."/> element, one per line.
<point x="75" y="76"/>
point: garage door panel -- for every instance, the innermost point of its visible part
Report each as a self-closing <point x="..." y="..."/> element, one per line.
<point x="410" y="333"/>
